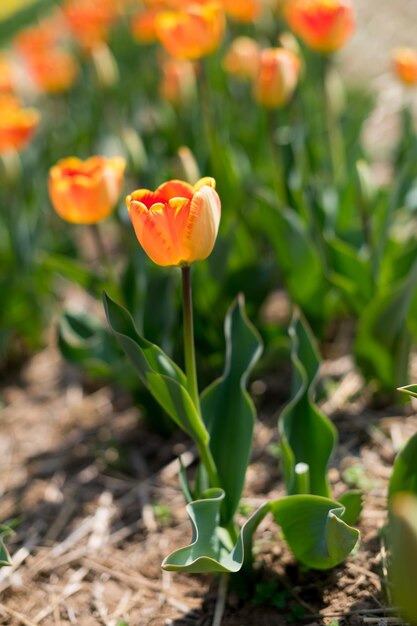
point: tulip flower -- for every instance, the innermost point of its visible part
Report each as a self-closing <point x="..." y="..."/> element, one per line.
<point x="86" y="192"/>
<point x="193" y="32"/>
<point x="6" y="75"/>
<point x="53" y="71"/>
<point x="277" y="77"/>
<point x="90" y="20"/>
<point x="242" y="10"/>
<point x="242" y="58"/>
<point x="178" y="81"/>
<point x="178" y="223"/>
<point x="323" y="25"/>
<point x="405" y="65"/>
<point x="17" y="124"/>
<point x="143" y="25"/>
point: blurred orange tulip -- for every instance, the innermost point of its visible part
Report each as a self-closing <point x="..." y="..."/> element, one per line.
<point x="178" y="80"/>
<point x="6" y="75"/>
<point x="242" y="58"/>
<point x="193" y="32"/>
<point x="17" y="124"/>
<point x="178" y="223"/>
<point x="323" y="25"/>
<point x="38" y="38"/>
<point x="405" y="65"/>
<point x="53" y="71"/>
<point x="143" y="25"/>
<point x="242" y="10"/>
<point x="90" y="20"/>
<point x="277" y="77"/>
<point x="86" y="192"/>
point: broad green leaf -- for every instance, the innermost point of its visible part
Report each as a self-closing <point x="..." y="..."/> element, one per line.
<point x="402" y="535"/>
<point x="307" y="436"/>
<point x="176" y="401"/>
<point x="164" y="379"/>
<point x="352" y="502"/>
<point x="311" y="525"/>
<point x="404" y="472"/>
<point x="207" y="551"/>
<point x="228" y="411"/>
<point x="145" y="356"/>
<point x="383" y="342"/>
<point x="314" y="529"/>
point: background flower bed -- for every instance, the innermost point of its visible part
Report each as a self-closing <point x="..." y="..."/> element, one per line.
<point x="94" y="525"/>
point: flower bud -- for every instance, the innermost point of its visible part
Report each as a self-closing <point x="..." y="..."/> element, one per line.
<point x="242" y="58"/>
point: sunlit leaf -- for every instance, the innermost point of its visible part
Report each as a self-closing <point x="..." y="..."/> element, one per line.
<point x="227" y="409"/>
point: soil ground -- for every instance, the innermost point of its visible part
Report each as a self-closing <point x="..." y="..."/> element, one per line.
<point x="89" y="484"/>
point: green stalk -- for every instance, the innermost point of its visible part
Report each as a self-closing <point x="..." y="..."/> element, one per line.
<point x="191" y="371"/>
<point x="276" y="154"/>
<point x="333" y="130"/>
<point x="104" y="258"/>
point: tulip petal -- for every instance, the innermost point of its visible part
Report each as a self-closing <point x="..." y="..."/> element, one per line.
<point x="174" y="189"/>
<point x="203" y="224"/>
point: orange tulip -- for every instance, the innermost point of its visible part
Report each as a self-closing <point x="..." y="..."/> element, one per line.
<point x="242" y="10"/>
<point x="17" y="124"/>
<point x="405" y="65"/>
<point x="243" y="57"/>
<point x="86" y="192"/>
<point x="53" y="71"/>
<point x="34" y="39"/>
<point x="323" y="25"/>
<point x="90" y="20"/>
<point x="178" y="80"/>
<point x="143" y="25"/>
<point x="6" y="75"/>
<point x="193" y="32"/>
<point x="178" y="223"/>
<point x="277" y="77"/>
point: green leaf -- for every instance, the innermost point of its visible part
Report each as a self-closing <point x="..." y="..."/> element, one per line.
<point x="207" y="551"/>
<point x="404" y="472"/>
<point x="402" y="535"/>
<point x="307" y="436"/>
<point x="145" y="356"/>
<point x="410" y="389"/>
<point x="311" y="525"/>
<point x="228" y="411"/>
<point x="383" y="342"/>
<point x="5" y="559"/>
<point x="351" y="274"/>
<point x="352" y="501"/>
<point x="24" y="17"/>
<point x="314" y="530"/>
<point x="164" y="379"/>
<point x="85" y="342"/>
<point x="296" y="253"/>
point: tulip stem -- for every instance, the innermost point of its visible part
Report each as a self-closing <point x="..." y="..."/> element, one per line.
<point x="191" y="371"/>
<point x="334" y="135"/>
<point x="102" y="254"/>
<point x="189" y="350"/>
<point x="276" y="153"/>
